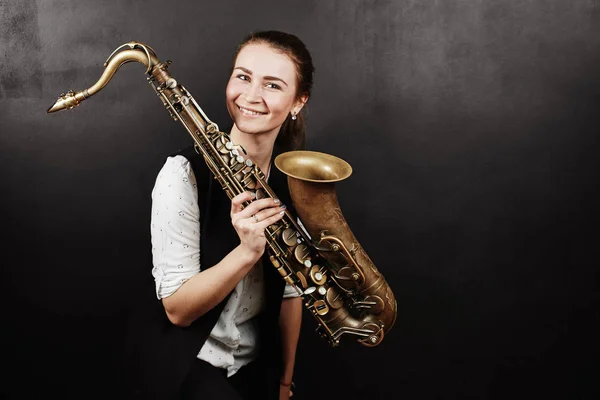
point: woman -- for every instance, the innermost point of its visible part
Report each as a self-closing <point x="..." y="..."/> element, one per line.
<point x="218" y="285"/>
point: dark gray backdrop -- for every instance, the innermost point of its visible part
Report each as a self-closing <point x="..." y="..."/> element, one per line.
<point x="472" y="130"/>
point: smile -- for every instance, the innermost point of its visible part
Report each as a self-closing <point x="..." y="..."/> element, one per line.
<point x="246" y="111"/>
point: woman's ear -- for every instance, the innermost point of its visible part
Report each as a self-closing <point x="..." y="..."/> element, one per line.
<point x="300" y="102"/>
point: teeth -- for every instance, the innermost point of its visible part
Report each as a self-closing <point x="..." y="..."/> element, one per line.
<point x="248" y="112"/>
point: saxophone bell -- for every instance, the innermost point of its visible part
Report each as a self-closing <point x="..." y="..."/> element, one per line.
<point x="357" y="300"/>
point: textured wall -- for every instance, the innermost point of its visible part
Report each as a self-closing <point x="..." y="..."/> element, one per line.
<point x="472" y="129"/>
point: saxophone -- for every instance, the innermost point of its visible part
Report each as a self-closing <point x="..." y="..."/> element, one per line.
<point x="316" y="254"/>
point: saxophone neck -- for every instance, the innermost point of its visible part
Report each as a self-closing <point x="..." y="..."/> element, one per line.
<point x="128" y="52"/>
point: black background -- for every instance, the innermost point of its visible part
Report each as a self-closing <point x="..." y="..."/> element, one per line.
<point x="472" y="130"/>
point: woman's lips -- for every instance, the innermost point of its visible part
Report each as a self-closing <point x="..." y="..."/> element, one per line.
<point x="249" y="112"/>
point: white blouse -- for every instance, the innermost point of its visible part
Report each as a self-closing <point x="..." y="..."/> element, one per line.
<point x="175" y="236"/>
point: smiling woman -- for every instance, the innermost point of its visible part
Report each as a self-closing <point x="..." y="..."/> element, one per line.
<point x="262" y="94"/>
<point x="246" y="325"/>
<point x="272" y="74"/>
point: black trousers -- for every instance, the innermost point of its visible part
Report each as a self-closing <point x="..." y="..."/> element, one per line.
<point x="206" y="382"/>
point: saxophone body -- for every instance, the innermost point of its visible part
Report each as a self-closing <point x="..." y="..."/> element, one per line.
<point x="317" y="253"/>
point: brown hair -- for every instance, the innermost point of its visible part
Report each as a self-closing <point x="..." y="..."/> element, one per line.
<point x="292" y="133"/>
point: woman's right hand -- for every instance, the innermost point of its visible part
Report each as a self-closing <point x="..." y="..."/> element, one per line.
<point x="250" y="222"/>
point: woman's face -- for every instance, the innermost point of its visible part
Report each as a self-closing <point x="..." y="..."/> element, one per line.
<point x="261" y="92"/>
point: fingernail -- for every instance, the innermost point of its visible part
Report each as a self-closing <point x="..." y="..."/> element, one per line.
<point x="282" y="206"/>
<point x="276" y="201"/>
<point x="253" y="194"/>
<point x="281" y="212"/>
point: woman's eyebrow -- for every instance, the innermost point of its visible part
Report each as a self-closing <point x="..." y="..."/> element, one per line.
<point x="268" y="78"/>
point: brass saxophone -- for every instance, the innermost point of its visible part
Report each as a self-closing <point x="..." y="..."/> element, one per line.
<point x="317" y="254"/>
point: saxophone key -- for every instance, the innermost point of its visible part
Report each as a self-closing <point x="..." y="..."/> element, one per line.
<point x="234" y="163"/>
<point x="248" y="181"/>
<point x="288" y="279"/>
<point x="170" y="83"/>
<point x="289" y="237"/>
<point x="345" y="278"/>
<point x="302" y="253"/>
<point x="212" y="128"/>
<point x="310" y="290"/>
<point x="317" y="275"/>
<point x="276" y="229"/>
<point x="220" y="146"/>
<point x="321" y="307"/>
<point x="334" y="299"/>
<point x="276" y="264"/>
<point x="260" y="194"/>
<point x="302" y="279"/>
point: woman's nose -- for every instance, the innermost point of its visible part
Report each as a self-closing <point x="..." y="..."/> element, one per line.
<point x="252" y="93"/>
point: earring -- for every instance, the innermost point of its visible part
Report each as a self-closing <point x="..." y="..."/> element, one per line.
<point x="294" y="116"/>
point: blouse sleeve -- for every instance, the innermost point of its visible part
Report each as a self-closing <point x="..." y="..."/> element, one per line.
<point x="174" y="226"/>
<point x="289" y="292"/>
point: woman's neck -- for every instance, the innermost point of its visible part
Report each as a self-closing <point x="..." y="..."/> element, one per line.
<point x="258" y="146"/>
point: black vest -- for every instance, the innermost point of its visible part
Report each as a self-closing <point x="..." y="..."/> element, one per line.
<point x="161" y="354"/>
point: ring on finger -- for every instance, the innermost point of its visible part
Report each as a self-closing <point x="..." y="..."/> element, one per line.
<point x="255" y="218"/>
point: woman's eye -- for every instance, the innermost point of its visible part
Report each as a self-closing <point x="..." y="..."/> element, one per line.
<point x="273" y="86"/>
<point x="243" y="77"/>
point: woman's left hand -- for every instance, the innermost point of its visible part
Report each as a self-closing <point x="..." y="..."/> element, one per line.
<point x="285" y="392"/>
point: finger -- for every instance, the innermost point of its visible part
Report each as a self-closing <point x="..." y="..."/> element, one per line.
<point x="270" y="221"/>
<point x="268" y="212"/>
<point x="256" y="206"/>
<point x="238" y="201"/>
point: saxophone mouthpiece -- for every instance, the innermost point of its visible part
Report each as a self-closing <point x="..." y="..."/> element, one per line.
<point x="68" y="101"/>
<point x="56" y="107"/>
